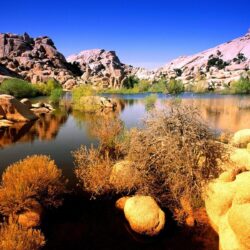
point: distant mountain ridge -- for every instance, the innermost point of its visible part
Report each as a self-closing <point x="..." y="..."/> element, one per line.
<point x="37" y="59"/>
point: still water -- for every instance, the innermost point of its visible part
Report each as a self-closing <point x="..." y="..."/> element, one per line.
<point x="62" y="132"/>
<point x="84" y="224"/>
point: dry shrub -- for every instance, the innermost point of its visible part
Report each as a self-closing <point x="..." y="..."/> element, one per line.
<point x="111" y="135"/>
<point x="176" y="154"/>
<point x="34" y="179"/>
<point x="93" y="170"/>
<point x="14" y="236"/>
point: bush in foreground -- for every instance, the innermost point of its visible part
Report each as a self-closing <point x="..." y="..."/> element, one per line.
<point x="14" y="236"/>
<point x="176" y="155"/>
<point x="18" y="88"/>
<point x="34" y="179"/>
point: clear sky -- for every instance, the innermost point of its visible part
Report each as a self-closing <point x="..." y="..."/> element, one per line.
<point x="142" y="32"/>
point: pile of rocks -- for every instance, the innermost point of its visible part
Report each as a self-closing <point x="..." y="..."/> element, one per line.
<point x="34" y="59"/>
<point x="13" y="110"/>
<point x="101" y="68"/>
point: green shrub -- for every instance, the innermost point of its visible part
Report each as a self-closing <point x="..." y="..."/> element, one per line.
<point x="242" y="86"/>
<point x="18" y="88"/>
<point x="47" y="87"/>
<point x="175" y="86"/>
<point x="56" y="95"/>
<point x="143" y="86"/>
<point x="83" y="90"/>
<point x="130" y="82"/>
<point x="159" y="87"/>
<point x="216" y="61"/>
<point x="178" y="72"/>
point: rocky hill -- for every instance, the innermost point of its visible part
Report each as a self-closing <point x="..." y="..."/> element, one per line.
<point x="217" y="66"/>
<point x="37" y="59"/>
<point x="33" y="59"/>
<point x="102" y="68"/>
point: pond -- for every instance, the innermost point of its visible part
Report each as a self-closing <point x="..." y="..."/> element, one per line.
<point x="96" y="225"/>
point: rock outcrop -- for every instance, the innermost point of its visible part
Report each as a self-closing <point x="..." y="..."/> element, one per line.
<point x="14" y="110"/>
<point x="217" y="67"/>
<point x="102" y="68"/>
<point x="143" y="214"/>
<point x="33" y="59"/>
<point x="228" y="208"/>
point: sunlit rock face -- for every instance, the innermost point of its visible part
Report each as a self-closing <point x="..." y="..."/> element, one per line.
<point x="228" y="208"/>
<point x="33" y="59"/>
<point x="101" y="67"/>
<point x="14" y="110"/>
<point x="194" y="68"/>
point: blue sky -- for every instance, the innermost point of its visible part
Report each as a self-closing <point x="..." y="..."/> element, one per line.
<point x="143" y="33"/>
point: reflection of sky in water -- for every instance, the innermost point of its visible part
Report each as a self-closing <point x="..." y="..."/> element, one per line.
<point x="59" y="138"/>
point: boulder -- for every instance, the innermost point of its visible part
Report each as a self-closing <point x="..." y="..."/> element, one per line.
<point x="241" y="157"/>
<point x="227" y="202"/>
<point x="241" y="138"/>
<point x="144" y="215"/>
<point x="14" y="110"/>
<point x="27" y="102"/>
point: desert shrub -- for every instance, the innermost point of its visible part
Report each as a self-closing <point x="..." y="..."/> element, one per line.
<point x="93" y="169"/>
<point x="111" y="135"/>
<point x="14" y="236"/>
<point x="239" y="58"/>
<point x="130" y="82"/>
<point x="242" y="86"/>
<point x="178" y="72"/>
<point x="36" y="178"/>
<point x="216" y="61"/>
<point x="83" y="90"/>
<point x="150" y="101"/>
<point x="56" y="95"/>
<point x="176" y="154"/>
<point x="46" y="88"/>
<point x="175" y="86"/>
<point x="143" y="86"/>
<point x="159" y="87"/>
<point x="200" y="87"/>
<point x="18" y="88"/>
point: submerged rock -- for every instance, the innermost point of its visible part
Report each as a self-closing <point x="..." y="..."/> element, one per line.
<point x="144" y="215"/>
<point x="14" y="110"/>
<point x="27" y="102"/>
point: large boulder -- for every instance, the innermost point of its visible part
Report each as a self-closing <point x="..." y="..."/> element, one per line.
<point x="144" y="215"/>
<point x="227" y="202"/>
<point x="241" y="138"/>
<point x="14" y="110"/>
<point x="241" y="157"/>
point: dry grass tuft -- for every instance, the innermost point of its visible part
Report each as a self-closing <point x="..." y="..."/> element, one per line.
<point x="14" y="236"/>
<point x="34" y="179"/>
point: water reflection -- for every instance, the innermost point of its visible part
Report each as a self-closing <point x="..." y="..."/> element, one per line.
<point x="65" y="130"/>
<point x="46" y="128"/>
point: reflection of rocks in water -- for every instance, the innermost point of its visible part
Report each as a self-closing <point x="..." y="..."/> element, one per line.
<point x="14" y="133"/>
<point x="46" y="128"/>
<point x="229" y="113"/>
